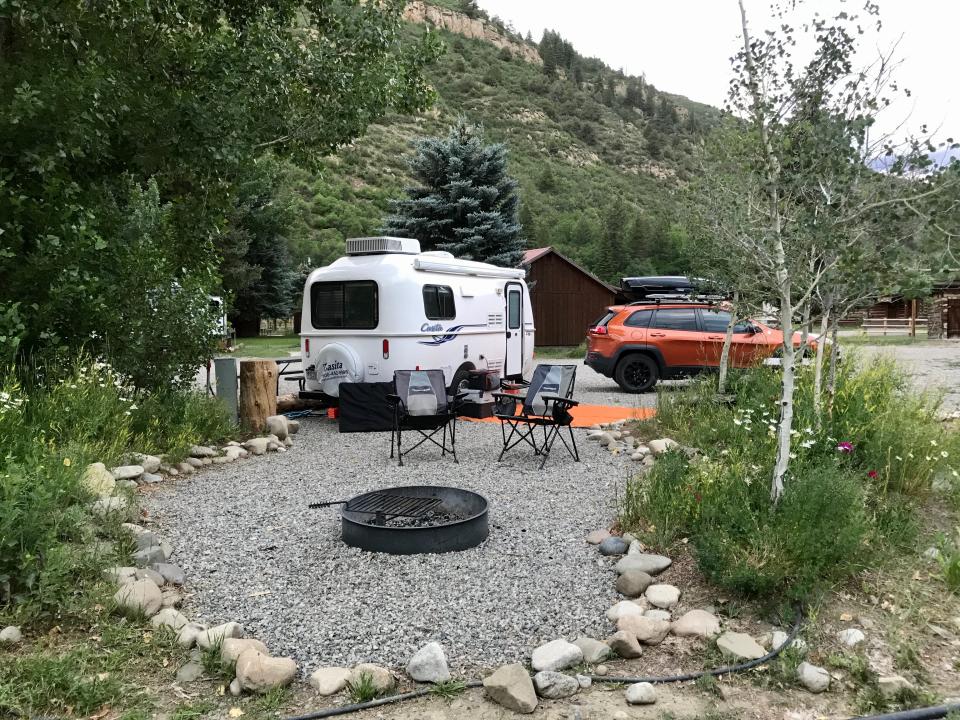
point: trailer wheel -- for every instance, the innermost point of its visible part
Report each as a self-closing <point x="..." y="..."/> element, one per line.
<point x="460" y="378"/>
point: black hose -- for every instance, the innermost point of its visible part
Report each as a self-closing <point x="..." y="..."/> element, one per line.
<point x="715" y="671"/>
<point x="927" y="713"/>
<point x="356" y="707"/>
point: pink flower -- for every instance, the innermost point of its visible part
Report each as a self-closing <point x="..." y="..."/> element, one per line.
<point x="845" y="447"/>
<point x="873" y="474"/>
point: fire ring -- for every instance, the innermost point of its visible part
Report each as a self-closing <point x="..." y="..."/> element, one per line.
<point x="414" y="519"/>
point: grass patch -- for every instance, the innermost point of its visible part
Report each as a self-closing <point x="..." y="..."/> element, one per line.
<point x="270" y="701"/>
<point x="448" y="689"/>
<point x="192" y="711"/>
<point x="269" y="346"/>
<point x="949" y="560"/>
<point x="213" y="664"/>
<point x="892" y="340"/>
<point x="561" y="352"/>
<point x="363" y="689"/>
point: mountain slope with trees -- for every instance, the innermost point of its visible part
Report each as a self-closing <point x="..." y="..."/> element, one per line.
<point x="599" y="155"/>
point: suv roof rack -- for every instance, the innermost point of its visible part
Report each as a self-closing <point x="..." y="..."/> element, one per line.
<point x="657" y="299"/>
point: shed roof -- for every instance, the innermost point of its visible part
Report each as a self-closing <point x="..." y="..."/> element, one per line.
<point x="532" y="255"/>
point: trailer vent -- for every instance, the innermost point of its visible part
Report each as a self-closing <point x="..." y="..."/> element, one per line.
<point x="495" y="319"/>
<point x="382" y="246"/>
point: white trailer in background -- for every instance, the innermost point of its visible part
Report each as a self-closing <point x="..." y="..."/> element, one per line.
<point x="387" y="306"/>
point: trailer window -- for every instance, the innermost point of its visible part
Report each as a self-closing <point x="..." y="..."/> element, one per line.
<point x="352" y="305"/>
<point x="438" y="302"/>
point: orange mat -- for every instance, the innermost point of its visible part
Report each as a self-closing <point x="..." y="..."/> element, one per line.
<point x="587" y="415"/>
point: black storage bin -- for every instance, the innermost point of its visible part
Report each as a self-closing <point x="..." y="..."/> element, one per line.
<point x="364" y="407"/>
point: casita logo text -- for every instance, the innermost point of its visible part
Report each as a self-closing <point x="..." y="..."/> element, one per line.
<point x="427" y="327"/>
<point x="328" y="367"/>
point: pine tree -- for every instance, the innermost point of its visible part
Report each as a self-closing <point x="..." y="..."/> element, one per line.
<point x="465" y="203"/>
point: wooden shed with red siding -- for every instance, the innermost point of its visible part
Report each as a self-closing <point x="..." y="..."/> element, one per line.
<point x="566" y="298"/>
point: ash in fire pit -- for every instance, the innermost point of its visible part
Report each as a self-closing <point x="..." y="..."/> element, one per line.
<point x="414" y="519"/>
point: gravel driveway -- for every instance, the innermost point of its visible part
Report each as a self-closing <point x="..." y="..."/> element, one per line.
<point x="931" y="365"/>
<point x="255" y="553"/>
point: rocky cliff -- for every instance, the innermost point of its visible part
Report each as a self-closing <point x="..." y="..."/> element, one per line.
<point x="418" y="11"/>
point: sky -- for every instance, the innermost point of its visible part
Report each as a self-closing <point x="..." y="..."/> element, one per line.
<point x="684" y="46"/>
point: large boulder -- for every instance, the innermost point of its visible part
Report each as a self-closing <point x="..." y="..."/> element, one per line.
<point x="644" y="562"/>
<point x="233" y="648"/>
<point x="169" y="617"/>
<point x="429" y="664"/>
<point x="851" y="637"/>
<point x="661" y="446"/>
<point x="613" y="545"/>
<point x="113" y="506"/>
<point x="257" y="445"/>
<point x="217" y="634"/>
<point x="127" y="472"/>
<point x="640" y="694"/>
<point x="187" y="637"/>
<point x="140" y="597"/>
<point x="623" y="609"/>
<point x="813" y="678"/>
<point x="633" y="583"/>
<point x="594" y="651"/>
<point x="625" y="644"/>
<point x="697" y="623"/>
<point x="10" y="635"/>
<point x="556" y="655"/>
<point x="555" y="685"/>
<point x="662" y="596"/>
<point x="891" y="686"/>
<point x="172" y="574"/>
<point x="511" y="687"/>
<point x="120" y="575"/>
<point x="149" y="463"/>
<point x="382" y="679"/>
<point x="277" y="425"/>
<point x="647" y="630"/>
<point x="258" y="672"/>
<point x="329" y="680"/>
<point x="98" y="480"/>
<point x="740" y="646"/>
<point x="202" y="451"/>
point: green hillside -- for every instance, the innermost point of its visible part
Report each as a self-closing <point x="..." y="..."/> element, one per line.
<point x="598" y="155"/>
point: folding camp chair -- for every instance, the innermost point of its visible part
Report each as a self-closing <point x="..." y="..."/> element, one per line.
<point x="546" y="404"/>
<point x="421" y="405"/>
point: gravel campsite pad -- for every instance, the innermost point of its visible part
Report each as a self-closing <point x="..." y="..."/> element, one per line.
<point x="255" y="553"/>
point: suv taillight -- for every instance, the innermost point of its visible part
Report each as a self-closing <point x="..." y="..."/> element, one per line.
<point x="599" y="330"/>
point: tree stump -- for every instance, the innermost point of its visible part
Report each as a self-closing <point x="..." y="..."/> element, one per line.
<point x="258" y="393"/>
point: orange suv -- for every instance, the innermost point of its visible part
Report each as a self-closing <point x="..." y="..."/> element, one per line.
<point x="641" y="343"/>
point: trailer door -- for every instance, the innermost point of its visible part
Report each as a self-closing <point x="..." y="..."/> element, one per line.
<point x="513" y="363"/>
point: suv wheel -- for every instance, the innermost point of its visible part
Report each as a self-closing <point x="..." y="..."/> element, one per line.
<point x="636" y="373"/>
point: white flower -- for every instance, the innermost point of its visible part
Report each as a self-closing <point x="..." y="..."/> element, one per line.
<point x="793" y="456"/>
<point x="944" y="454"/>
<point x="910" y="455"/>
<point x="808" y="431"/>
<point x="928" y="458"/>
<point x="724" y="452"/>
<point x="755" y="468"/>
<point x="808" y="443"/>
<point x="898" y="458"/>
<point x="933" y="442"/>
<point x="737" y="421"/>
<point x="955" y="474"/>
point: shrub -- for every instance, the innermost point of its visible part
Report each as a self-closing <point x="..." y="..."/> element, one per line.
<point x="839" y="508"/>
<point x="73" y="413"/>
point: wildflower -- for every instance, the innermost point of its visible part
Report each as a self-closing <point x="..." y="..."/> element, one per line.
<point x="910" y="455"/>
<point x="737" y="421"/>
<point x="793" y="456"/>
<point x="944" y="454"/>
<point x="724" y="452"/>
<point x="898" y="458"/>
<point x="808" y="444"/>
<point x="845" y="447"/>
<point x="955" y="473"/>
<point x="67" y="462"/>
<point x="873" y="474"/>
<point x="933" y="442"/>
<point x="928" y="458"/>
<point x="133" y="407"/>
<point x="808" y="431"/>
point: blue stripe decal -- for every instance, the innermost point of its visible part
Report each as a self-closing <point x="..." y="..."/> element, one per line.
<point x="449" y="334"/>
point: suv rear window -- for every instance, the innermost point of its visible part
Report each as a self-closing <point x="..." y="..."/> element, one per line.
<point x="350" y="305"/>
<point x="675" y="319"/>
<point x="438" y="302"/>
<point x="641" y="318"/>
<point x="602" y="322"/>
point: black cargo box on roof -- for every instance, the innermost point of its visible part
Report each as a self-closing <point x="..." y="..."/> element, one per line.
<point x="640" y="287"/>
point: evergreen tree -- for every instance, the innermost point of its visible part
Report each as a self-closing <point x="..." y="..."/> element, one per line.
<point x="465" y="203"/>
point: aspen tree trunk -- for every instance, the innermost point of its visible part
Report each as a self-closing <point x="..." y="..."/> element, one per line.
<point x="784" y="284"/>
<point x="818" y="368"/>
<point x="834" y="357"/>
<point x="727" y="343"/>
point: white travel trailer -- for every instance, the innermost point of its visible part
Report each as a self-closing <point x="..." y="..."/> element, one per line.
<point x="387" y="306"/>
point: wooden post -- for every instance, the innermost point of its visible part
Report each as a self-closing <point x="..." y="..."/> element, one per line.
<point x="913" y="318"/>
<point x="258" y="393"/>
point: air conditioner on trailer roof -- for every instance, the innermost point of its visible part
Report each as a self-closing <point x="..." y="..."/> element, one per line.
<point x="383" y="246"/>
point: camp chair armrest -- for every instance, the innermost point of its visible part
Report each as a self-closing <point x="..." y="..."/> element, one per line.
<point x="511" y="396"/>
<point x="569" y="402"/>
<point x="393" y="400"/>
